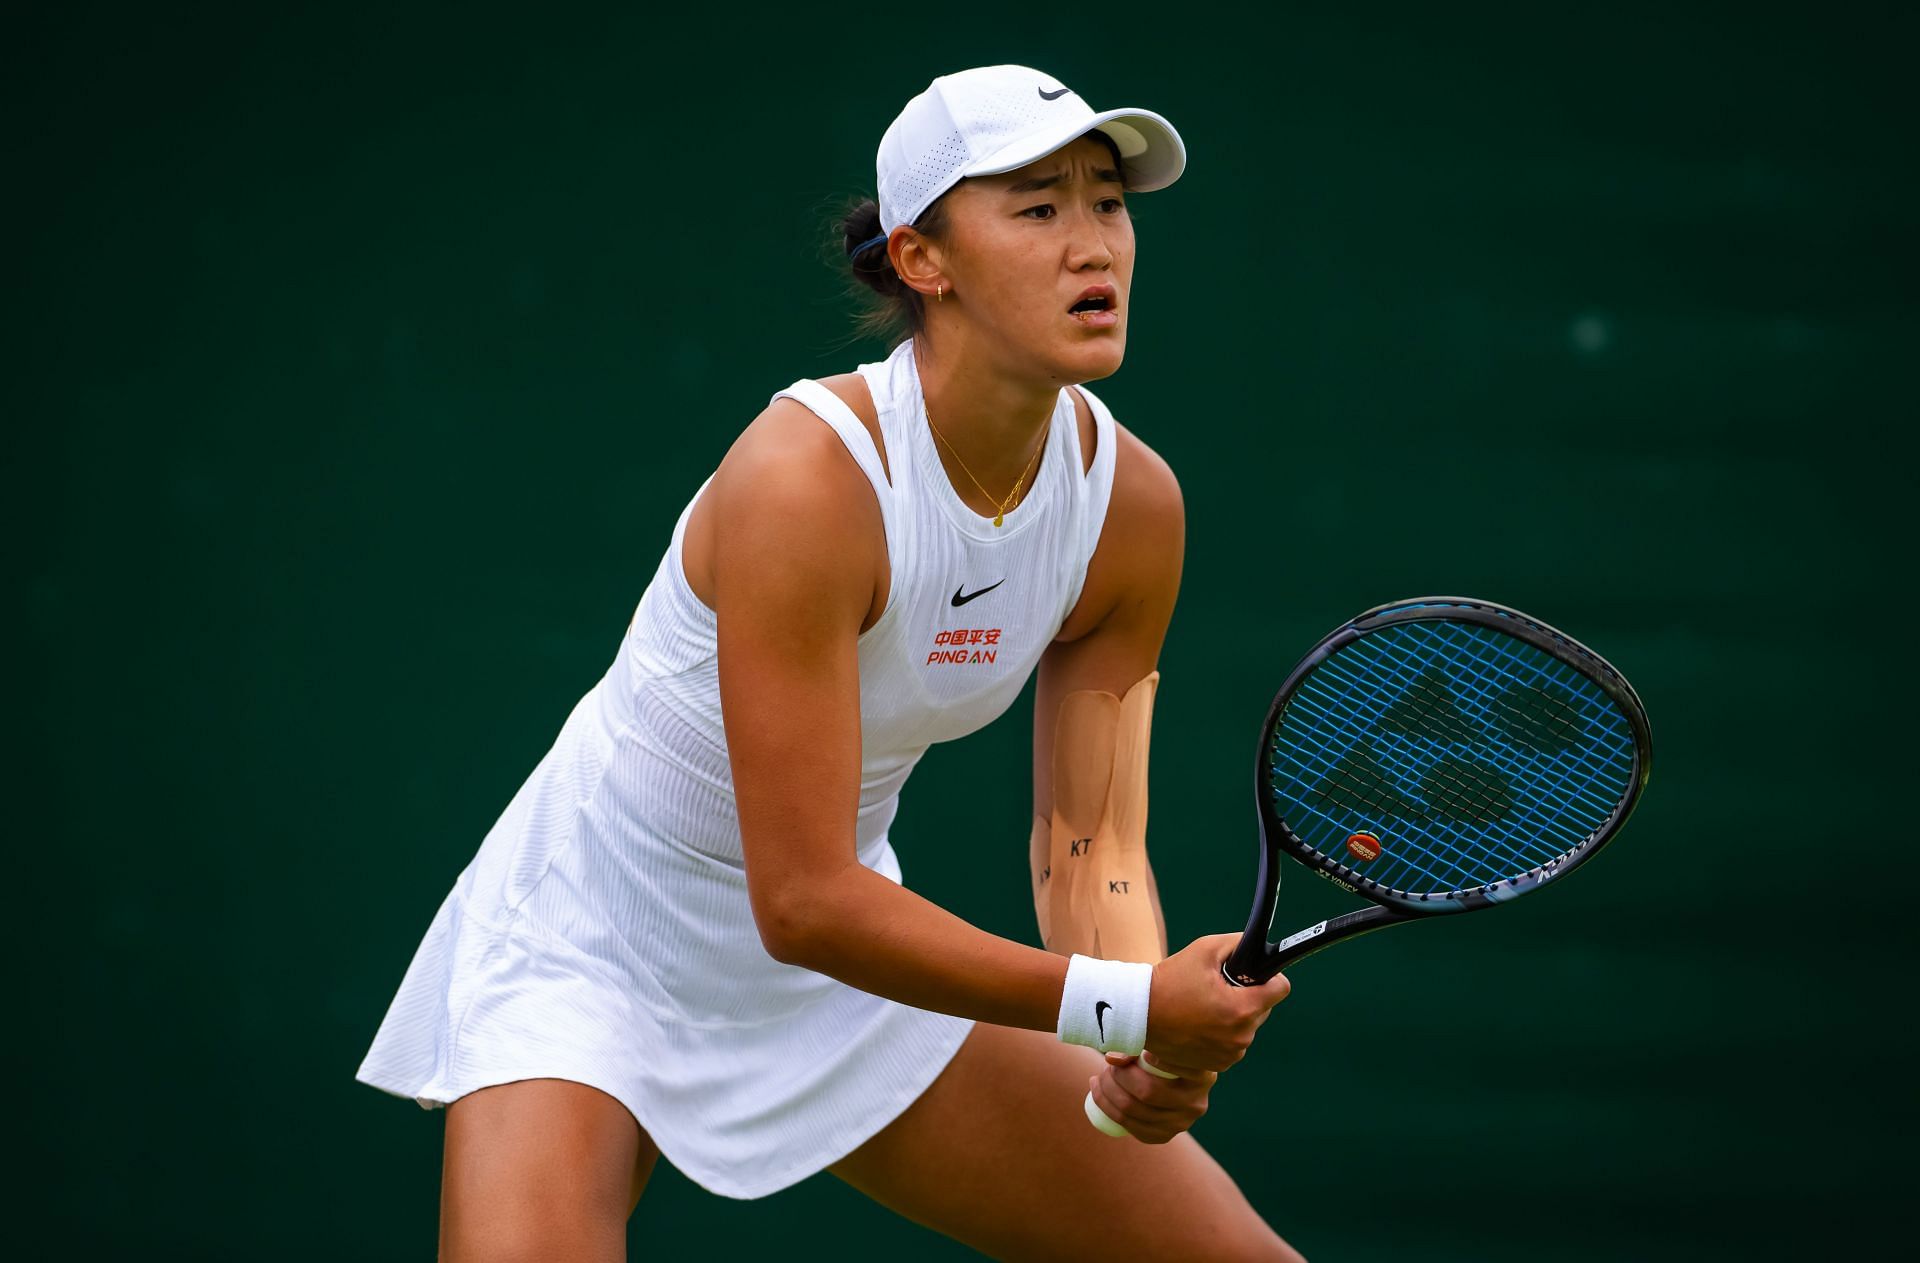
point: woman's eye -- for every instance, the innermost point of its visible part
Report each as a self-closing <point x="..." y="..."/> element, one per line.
<point x="1107" y="205"/>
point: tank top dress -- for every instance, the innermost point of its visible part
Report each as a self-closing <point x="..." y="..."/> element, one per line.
<point x="602" y="932"/>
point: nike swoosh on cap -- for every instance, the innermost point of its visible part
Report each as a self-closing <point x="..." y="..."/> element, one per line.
<point x="1052" y="96"/>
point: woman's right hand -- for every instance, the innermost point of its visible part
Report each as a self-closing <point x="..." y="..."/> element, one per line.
<point x="1195" y="1017"/>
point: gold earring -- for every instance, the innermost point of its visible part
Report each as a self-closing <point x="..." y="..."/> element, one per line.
<point x="940" y="296"/>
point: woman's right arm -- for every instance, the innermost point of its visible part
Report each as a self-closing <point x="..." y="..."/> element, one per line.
<point x="793" y="550"/>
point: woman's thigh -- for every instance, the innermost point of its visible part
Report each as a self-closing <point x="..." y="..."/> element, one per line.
<point x="540" y="1169"/>
<point x="998" y="1154"/>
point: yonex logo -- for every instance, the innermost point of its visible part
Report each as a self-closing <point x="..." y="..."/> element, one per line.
<point x="1440" y="759"/>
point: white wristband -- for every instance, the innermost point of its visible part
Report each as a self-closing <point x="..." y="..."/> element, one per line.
<point x="1104" y="1005"/>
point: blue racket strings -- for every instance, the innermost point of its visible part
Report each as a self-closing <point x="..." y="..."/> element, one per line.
<point x="1435" y="756"/>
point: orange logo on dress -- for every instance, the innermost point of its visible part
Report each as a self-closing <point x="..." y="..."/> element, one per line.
<point x="962" y="645"/>
<point x="1364" y="845"/>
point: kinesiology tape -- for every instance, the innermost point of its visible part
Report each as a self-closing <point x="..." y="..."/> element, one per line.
<point x="1093" y="895"/>
<point x="1040" y="864"/>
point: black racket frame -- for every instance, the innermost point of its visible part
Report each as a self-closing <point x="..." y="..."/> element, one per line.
<point x="1255" y="959"/>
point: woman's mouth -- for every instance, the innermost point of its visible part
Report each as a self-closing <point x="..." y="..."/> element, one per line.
<point x="1096" y="311"/>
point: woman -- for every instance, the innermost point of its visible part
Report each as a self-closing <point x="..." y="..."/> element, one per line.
<point x="686" y="934"/>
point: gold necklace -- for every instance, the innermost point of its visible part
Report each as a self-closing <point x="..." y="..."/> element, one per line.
<point x="1000" y="506"/>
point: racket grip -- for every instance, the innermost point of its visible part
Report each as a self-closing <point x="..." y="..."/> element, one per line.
<point x="1098" y="1117"/>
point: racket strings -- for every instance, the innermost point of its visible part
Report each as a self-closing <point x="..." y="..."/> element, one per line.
<point x="1374" y="804"/>
<point x="1427" y="709"/>
<point x="1475" y="755"/>
<point x="1547" y="721"/>
<point x="1464" y="867"/>
<point x="1561" y="781"/>
<point x="1470" y="795"/>
<point x="1558" y="780"/>
<point x="1593" y="761"/>
<point x="1582" y="792"/>
<point x="1454" y="861"/>
<point x="1447" y="866"/>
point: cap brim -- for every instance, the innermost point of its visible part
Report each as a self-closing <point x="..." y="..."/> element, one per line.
<point x="1152" y="155"/>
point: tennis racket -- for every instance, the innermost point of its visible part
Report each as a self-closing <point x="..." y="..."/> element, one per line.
<point x="1435" y="756"/>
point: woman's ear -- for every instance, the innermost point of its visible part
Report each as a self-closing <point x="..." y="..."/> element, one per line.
<point x="920" y="264"/>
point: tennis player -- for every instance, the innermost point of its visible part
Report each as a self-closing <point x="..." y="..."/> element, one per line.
<point x="687" y="932"/>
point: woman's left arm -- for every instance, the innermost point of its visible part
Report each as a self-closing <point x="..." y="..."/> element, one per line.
<point x="1097" y="741"/>
<point x="1110" y="644"/>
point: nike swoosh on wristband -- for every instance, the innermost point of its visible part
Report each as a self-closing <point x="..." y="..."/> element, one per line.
<point x="1051" y="96"/>
<point x="1100" y="1018"/>
<point x="959" y="600"/>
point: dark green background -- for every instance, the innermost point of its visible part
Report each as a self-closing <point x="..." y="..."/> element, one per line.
<point x="362" y="360"/>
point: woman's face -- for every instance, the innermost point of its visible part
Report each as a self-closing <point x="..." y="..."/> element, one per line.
<point x="1022" y="252"/>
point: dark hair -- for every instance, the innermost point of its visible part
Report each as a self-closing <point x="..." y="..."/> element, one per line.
<point x="890" y="308"/>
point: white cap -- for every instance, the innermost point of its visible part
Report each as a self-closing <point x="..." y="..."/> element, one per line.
<point x="998" y="118"/>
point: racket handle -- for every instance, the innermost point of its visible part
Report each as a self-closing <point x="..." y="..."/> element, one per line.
<point x="1098" y="1117"/>
<point x="1252" y="963"/>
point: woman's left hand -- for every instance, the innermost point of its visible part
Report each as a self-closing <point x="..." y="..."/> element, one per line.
<point x="1153" y="1109"/>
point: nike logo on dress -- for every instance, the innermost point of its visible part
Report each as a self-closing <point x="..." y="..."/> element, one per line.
<point x="1052" y="96"/>
<point x="961" y="596"/>
<point x="1100" y="1018"/>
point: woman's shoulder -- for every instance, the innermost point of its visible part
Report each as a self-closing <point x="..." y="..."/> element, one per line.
<point x="790" y="440"/>
<point x="789" y="433"/>
<point x="1137" y="560"/>
<point x="787" y="467"/>
<point x="1143" y="482"/>
<point x="1145" y="490"/>
<point x="852" y="390"/>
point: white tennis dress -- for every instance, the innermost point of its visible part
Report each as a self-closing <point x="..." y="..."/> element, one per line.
<point x="602" y="933"/>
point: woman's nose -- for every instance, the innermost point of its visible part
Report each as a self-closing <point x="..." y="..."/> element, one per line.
<point x="1089" y="245"/>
